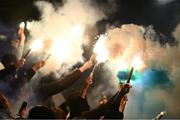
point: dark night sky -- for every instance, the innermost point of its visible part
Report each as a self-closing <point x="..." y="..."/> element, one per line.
<point x="164" y="18"/>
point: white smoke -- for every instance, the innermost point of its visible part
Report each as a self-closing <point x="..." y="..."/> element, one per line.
<point x="131" y="40"/>
<point x="62" y="30"/>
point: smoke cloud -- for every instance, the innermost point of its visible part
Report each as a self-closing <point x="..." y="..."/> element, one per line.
<point x="157" y="88"/>
<point x="62" y="30"/>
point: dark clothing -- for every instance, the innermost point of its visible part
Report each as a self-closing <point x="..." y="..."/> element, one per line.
<point x="76" y="104"/>
<point x="11" y="85"/>
<point x="110" y="110"/>
<point x="5" y="114"/>
<point x="7" y="71"/>
<point x="45" y="90"/>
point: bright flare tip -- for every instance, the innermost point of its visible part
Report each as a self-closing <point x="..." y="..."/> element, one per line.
<point x="22" y="25"/>
<point x="37" y="45"/>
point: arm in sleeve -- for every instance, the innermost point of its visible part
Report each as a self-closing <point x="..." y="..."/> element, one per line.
<point x="7" y="71"/>
<point x="49" y="89"/>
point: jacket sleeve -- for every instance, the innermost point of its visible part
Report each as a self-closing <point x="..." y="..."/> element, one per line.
<point x="110" y="110"/>
<point x="52" y="88"/>
<point x="7" y="71"/>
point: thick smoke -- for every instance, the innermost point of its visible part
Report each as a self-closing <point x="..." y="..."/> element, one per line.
<point x="154" y="92"/>
<point x="62" y="30"/>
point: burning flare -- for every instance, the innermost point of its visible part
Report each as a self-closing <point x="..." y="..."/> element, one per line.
<point x="22" y="25"/>
<point x="100" y="49"/>
<point x="28" y="25"/>
<point x="137" y="62"/>
<point x="37" y="45"/>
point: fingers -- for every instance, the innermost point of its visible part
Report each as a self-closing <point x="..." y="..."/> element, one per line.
<point x="38" y="65"/>
<point x="87" y="65"/>
<point x="20" y="63"/>
<point x="89" y="80"/>
<point x="127" y="86"/>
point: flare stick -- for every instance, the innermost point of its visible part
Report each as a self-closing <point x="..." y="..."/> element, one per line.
<point x="130" y="75"/>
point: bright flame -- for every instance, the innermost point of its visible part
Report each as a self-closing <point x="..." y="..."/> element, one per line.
<point x="76" y="31"/>
<point x="137" y="62"/>
<point x="28" y="25"/>
<point x="37" y="45"/>
<point x="122" y="65"/>
<point x="59" y="49"/>
<point x="22" y="25"/>
<point x="163" y="112"/>
<point x="100" y="49"/>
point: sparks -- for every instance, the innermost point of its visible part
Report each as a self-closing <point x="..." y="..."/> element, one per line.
<point x="137" y="62"/>
<point x="100" y="49"/>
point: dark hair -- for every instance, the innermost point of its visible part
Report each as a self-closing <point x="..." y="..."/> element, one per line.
<point x="41" y="112"/>
<point x="8" y="59"/>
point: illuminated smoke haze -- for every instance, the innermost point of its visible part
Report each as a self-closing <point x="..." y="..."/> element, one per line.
<point x="157" y="87"/>
<point x="62" y="30"/>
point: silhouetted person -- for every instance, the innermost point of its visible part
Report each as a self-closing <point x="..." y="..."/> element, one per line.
<point x="110" y="110"/>
<point x="41" y="112"/>
<point x="47" y="88"/>
<point x="77" y="103"/>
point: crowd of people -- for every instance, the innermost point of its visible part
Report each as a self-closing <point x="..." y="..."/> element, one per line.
<point x="14" y="76"/>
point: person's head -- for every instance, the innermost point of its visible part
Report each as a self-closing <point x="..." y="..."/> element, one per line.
<point x="59" y="113"/>
<point x="8" y="59"/>
<point x="41" y="112"/>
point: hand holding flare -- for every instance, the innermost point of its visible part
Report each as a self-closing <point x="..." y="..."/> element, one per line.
<point x="137" y="64"/>
<point x="101" y="53"/>
<point x="35" y="46"/>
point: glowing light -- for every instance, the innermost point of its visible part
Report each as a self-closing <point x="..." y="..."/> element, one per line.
<point x="163" y="112"/>
<point x="137" y="62"/>
<point x="22" y="25"/>
<point x="37" y="45"/>
<point x="102" y="53"/>
<point x="77" y="31"/>
<point x="59" y="49"/>
<point x="122" y="65"/>
<point x="28" y="25"/>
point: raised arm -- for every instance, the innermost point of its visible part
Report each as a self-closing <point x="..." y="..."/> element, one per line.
<point x="49" y="89"/>
<point x="87" y="84"/>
